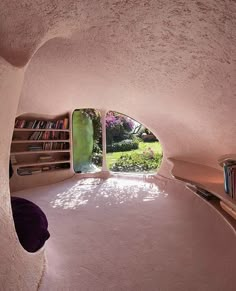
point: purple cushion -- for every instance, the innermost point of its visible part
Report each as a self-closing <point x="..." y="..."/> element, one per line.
<point x="31" y="224"/>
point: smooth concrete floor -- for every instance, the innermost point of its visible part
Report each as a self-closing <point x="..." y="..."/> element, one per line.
<point x="133" y="234"/>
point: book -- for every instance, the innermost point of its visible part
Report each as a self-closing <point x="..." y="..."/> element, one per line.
<point x="65" y="123"/>
<point x="45" y="157"/>
<point x="230" y="178"/>
<point x="35" y="148"/>
<point x="226" y="178"/>
<point x="33" y="172"/>
<point x="46" y="168"/>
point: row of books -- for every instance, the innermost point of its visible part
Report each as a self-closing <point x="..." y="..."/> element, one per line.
<point x="230" y="178"/>
<point x="47" y="135"/>
<point x="38" y="170"/>
<point x="42" y="124"/>
<point x="49" y="146"/>
<point x="29" y="171"/>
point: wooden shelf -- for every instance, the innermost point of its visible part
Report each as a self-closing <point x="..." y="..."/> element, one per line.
<point x="37" y="164"/>
<point x="25" y="160"/>
<point x="38" y="129"/>
<point x="41" y="140"/>
<point x="204" y="177"/>
<point x="44" y="172"/>
<point x="230" y="211"/>
<point x="218" y="205"/>
<point x="39" y="152"/>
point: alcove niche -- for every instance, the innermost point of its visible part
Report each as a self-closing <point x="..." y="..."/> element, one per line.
<point x="113" y="141"/>
<point x="43" y="146"/>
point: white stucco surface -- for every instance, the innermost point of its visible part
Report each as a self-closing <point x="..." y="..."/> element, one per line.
<point x="133" y="233"/>
<point x="168" y="64"/>
<point x="19" y="270"/>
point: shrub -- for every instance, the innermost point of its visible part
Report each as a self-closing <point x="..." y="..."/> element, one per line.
<point x="97" y="159"/>
<point x="123" y="146"/>
<point x="118" y="127"/>
<point x="148" y="137"/>
<point x="135" y="162"/>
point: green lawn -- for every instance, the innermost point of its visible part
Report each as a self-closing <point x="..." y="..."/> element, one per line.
<point x="155" y="146"/>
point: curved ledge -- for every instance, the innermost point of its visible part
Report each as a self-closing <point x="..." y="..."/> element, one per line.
<point x="215" y="205"/>
<point x="204" y="177"/>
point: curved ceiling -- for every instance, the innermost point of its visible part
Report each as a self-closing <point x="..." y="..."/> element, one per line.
<point x="168" y="64"/>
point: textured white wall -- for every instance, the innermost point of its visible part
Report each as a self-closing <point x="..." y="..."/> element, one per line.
<point x="19" y="270"/>
<point x="169" y="64"/>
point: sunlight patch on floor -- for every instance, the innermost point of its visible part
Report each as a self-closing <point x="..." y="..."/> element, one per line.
<point x="99" y="192"/>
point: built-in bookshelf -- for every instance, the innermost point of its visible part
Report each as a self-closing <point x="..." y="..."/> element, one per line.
<point x="41" y="146"/>
<point x="207" y="178"/>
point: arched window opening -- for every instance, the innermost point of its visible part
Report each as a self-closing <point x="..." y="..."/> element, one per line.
<point x="87" y="140"/>
<point x="131" y="147"/>
<point x="128" y="147"/>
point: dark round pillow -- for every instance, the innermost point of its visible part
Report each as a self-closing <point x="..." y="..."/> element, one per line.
<point x="31" y="224"/>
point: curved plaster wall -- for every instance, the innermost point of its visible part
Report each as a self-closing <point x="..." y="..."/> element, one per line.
<point x="168" y="64"/>
<point x="19" y="270"/>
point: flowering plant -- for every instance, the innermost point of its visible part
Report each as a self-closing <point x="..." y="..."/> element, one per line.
<point x="117" y="126"/>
